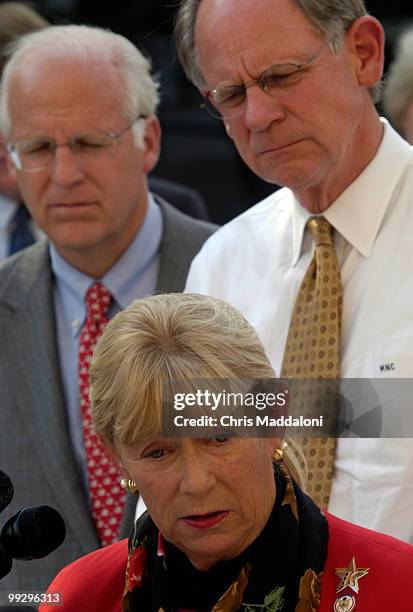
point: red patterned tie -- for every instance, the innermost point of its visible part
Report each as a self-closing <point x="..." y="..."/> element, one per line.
<point x="107" y="497"/>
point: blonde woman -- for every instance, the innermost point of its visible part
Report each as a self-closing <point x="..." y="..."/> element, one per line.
<point x="227" y="528"/>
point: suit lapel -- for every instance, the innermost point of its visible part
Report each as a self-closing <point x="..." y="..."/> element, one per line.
<point x="33" y="340"/>
<point x="181" y="240"/>
<point x="174" y="261"/>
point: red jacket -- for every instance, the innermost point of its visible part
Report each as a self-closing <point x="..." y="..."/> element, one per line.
<point x="387" y="586"/>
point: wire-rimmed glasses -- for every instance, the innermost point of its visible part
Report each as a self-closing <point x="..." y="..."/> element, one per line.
<point x="36" y="154"/>
<point x="226" y="101"/>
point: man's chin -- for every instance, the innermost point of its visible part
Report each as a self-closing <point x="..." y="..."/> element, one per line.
<point x="73" y="238"/>
<point x="293" y="176"/>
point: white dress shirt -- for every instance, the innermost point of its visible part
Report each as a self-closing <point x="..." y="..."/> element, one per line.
<point x="257" y="263"/>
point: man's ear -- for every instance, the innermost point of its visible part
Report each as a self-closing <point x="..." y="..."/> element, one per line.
<point x="366" y="42"/>
<point x="151" y="143"/>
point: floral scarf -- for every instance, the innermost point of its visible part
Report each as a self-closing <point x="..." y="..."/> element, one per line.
<point x="280" y="571"/>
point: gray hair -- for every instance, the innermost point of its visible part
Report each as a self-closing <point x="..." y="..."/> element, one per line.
<point x="140" y="95"/>
<point x="332" y="18"/>
<point x="398" y="92"/>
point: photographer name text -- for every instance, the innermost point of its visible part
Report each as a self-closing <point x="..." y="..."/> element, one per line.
<point x="260" y="420"/>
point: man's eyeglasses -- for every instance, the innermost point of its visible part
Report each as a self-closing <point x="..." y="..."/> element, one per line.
<point x="35" y="154"/>
<point x="226" y="101"/>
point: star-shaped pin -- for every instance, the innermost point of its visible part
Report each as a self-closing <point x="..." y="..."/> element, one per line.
<point x="350" y="576"/>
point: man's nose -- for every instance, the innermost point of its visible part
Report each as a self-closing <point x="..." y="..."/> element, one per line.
<point x="261" y="109"/>
<point x="66" y="168"/>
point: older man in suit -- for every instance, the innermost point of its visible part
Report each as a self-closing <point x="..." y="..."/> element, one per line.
<point x="77" y="111"/>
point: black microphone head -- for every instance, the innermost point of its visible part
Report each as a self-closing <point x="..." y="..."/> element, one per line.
<point x="6" y="490"/>
<point x="33" y="533"/>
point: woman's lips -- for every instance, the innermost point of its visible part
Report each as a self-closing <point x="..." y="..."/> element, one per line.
<point x="205" y="521"/>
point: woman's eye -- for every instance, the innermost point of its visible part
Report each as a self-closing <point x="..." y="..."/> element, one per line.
<point x="157" y="453"/>
<point x="220" y="439"/>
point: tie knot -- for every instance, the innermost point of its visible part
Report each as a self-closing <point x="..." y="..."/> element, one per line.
<point x="98" y="299"/>
<point x="321" y="230"/>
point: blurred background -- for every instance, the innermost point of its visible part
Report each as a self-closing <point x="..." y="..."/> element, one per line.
<point x="195" y="150"/>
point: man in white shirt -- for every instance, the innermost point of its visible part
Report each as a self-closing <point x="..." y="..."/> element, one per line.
<point x="295" y="84"/>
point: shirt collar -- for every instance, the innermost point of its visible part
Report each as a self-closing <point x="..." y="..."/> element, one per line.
<point x="121" y="279"/>
<point x="358" y="212"/>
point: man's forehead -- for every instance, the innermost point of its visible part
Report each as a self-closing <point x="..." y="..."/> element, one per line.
<point x="251" y="34"/>
<point x="227" y="12"/>
<point x="60" y="84"/>
<point x="42" y="69"/>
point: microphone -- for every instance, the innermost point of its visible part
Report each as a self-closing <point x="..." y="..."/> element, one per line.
<point x="32" y="533"/>
<point x="6" y="490"/>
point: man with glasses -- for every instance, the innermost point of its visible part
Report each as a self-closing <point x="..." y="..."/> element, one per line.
<point x="321" y="268"/>
<point x="77" y="111"/>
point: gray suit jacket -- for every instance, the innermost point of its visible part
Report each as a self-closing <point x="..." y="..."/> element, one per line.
<point x="35" y="448"/>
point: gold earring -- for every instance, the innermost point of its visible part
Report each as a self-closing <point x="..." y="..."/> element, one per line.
<point x="278" y="455"/>
<point x="129" y="485"/>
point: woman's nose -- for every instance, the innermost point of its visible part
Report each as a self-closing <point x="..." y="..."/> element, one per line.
<point x="197" y="475"/>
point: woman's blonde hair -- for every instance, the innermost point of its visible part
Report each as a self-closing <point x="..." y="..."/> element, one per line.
<point x="164" y="338"/>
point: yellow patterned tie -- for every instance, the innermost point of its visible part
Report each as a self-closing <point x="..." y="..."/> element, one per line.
<point x="313" y="345"/>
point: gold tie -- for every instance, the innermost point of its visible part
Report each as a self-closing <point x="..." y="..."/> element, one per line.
<point x="313" y="345"/>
